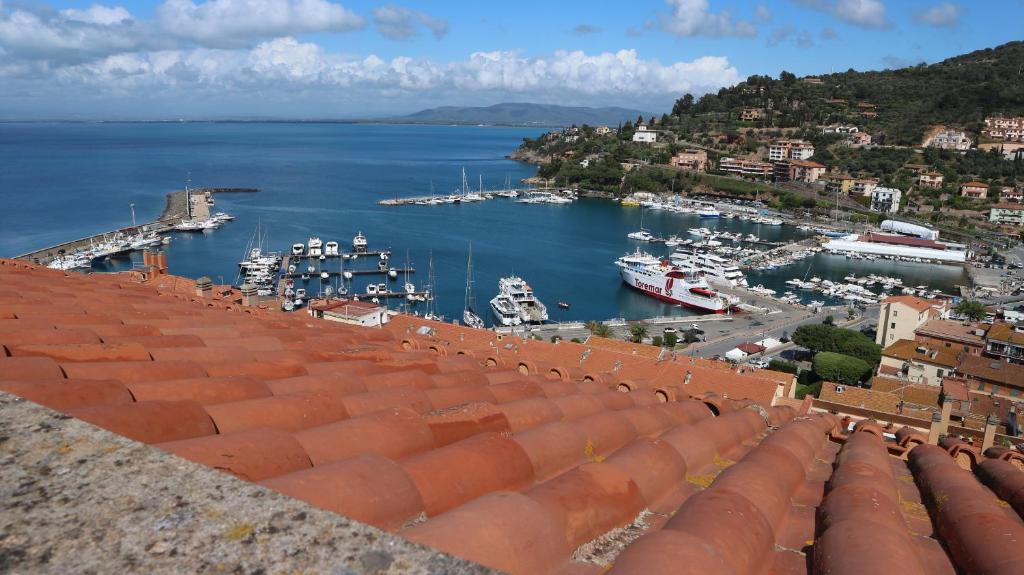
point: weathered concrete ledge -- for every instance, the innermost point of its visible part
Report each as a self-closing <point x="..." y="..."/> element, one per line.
<point x="76" y="498"/>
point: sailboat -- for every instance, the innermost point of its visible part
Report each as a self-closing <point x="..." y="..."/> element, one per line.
<point x="431" y="312"/>
<point x="469" y="315"/>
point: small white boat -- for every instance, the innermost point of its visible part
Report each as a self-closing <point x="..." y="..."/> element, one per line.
<point x="642" y="235"/>
<point x="298" y="249"/>
<point x="331" y="248"/>
<point x="300" y="294"/>
<point x="371" y="289"/>
<point x="324" y="275"/>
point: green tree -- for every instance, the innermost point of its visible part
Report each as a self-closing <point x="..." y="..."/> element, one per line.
<point x="598" y="328"/>
<point x="823" y="337"/>
<point x="638" y="332"/>
<point x="657" y="341"/>
<point x="829" y="320"/>
<point x="971" y="309"/>
<point x="841" y="368"/>
<point x="683" y="105"/>
<point x="671" y="340"/>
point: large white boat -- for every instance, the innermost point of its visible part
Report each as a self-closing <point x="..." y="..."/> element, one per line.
<point x="709" y="212"/>
<point x="714" y="267"/>
<point x="676" y="285"/>
<point x="531" y="309"/>
<point x="506" y="312"/>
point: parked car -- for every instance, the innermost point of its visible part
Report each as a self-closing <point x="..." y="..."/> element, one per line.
<point x="761" y="362"/>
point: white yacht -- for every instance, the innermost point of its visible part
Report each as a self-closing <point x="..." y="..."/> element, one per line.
<point x="316" y="247"/>
<point x="298" y="249"/>
<point x="714" y="267"/>
<point x="531" y="309"/>
<point x="331" y="248"/>
<point x="709" y="213"/>
<point x="359" y="242"/>
<point x="506" y="312"/>
<point x="642" y="235"/>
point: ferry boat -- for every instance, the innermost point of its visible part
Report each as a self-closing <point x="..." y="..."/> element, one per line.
<point x="531" y="309"/>
<point x="661" y="280"/>
<point x="505" y="310"/>
<point x="714" y="267"/>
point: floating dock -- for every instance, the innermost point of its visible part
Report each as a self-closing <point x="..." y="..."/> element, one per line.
<point x="487" y="194"/>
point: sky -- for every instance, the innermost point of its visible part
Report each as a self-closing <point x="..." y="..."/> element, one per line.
<point x="200" y="59"/>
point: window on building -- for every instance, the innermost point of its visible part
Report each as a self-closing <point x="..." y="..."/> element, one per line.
<point x="981" y="387"/>
<point x="938" y="373"/>
<point x="892" y="325"/>
<point x="895" y="313"/>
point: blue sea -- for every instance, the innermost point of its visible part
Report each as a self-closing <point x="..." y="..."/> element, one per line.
<point x="61" y="181"/>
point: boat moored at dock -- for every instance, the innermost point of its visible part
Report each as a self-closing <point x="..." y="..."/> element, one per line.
<point x="662" y="280"/>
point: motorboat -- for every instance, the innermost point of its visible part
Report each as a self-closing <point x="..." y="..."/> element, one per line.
<point x="316" y="247"/>
<point x="531" y="309"/>
<point x="642" y="235"/>
<point x="506" y="312"/>
<point x="298" y="249"/>
<point x="331" y="248"/>
<point x="359" y="243"/>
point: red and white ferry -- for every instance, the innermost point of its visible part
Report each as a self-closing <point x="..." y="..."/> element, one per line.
<point x="673" y="284"/>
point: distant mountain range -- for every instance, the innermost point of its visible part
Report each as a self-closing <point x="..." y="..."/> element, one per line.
<point x="523" y="114"/>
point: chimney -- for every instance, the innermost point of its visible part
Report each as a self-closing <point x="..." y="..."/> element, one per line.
<point x="990" y="432"/>
<point x="249" y="296"/>
<point x="934" y="429"/>
<point x="160" y="261"/>
<point x="147" y="258"/>
<point x="204" y="287"/>
<point x="947" y="410"/>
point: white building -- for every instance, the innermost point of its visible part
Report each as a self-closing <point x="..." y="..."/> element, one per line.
<point x="361" y="313"/>
<point x="951" y="140"/>
<point x="790" y="150"/>
<point x="644" y="136"/>
<point x="885" y="199"/>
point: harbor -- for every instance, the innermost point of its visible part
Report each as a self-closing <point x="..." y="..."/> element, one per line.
<point x="566" y="251"/>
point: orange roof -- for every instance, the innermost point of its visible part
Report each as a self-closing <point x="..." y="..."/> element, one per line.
<point x="521" y="455"/>
<point x="1002" y="331"/>
<point x="915" y="302"/>
<point x="975" y="185"/>
<point x="908" y="349"/>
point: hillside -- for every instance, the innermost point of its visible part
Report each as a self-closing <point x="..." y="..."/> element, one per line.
<point x="522" y="114"/>
<point x="959" y="92"/>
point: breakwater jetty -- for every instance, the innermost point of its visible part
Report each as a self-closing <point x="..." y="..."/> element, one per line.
<point x="175" y="209"/>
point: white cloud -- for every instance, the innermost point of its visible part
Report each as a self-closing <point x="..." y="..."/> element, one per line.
<point x="944" y="14"/>
<point x="97" y="14"/>
<point x="863" y="13"/>
<point x="693" y="18"/>
<point x="233" y="22"/>
<point x="286" y="64"/>
<point x="399" y="23"/>
<point x="70" y="35"/>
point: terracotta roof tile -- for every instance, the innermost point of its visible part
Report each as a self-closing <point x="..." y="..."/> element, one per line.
<point x="368" y="488"/>
<point x="84" y="351"/>
<point x="30" y="369"/>
<point x="340" y="385"/>
<point x="204" y="390"/>
<point x="528" y="413"/>
<point x="380" y="400"/>
<point x="51" y="336"/>
<point x="395" y="433"/>
<point x="150" y="421"/>
<point x="283" y="412"/>
<point x="454" y="424"/>
<point x="133" y="371"/>
<point x="251" y="455"/>
<point x="65" y="394"/>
